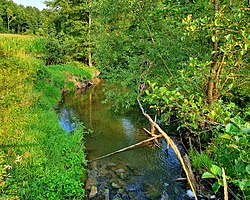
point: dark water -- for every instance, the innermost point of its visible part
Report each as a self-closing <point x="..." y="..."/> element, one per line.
<point x="147" y="172"/>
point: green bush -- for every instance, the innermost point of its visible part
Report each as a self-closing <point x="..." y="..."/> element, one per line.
<point x="231" y="151"/>
<point x="58" y="50"/>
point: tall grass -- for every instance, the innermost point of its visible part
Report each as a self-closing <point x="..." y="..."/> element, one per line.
<point x="20" y="45"/>
<point x="38" y="160"/>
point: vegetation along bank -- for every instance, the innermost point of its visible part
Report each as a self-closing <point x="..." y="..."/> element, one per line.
<point x="38" y="159"/>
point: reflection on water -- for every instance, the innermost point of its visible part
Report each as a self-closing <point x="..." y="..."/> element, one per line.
<point x="147" y="172"/>
<point x="128" y="127"/>
<point x="67" y="120"/>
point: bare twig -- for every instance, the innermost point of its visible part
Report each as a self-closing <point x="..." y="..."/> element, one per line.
<point x="218" y="75"/>
<point x="188" y="164"/>
<point x="228" y="30"/>
<point x="232" y="193"/>
<point x="147" y="131"/>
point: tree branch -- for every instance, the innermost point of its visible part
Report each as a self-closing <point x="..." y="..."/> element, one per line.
<point x="127" y="148"/>
<point x="171" y="143"/>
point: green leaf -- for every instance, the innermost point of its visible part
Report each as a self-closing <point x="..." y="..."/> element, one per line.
<point x="216" y="170"/>
<point x="216" y="187"/>
<point x="213" y="38"/>
<point x="218" y="128"/>
<point x="165" y="99"/>
<point x="152" y="85"/>
<point x="244" y="156"/>
<point x="233" y="146"/>
<point x="242" y="52"/>
<point x="246" y="128"/>
<point x="213" y="113"/>
<point x="229" y="37"/>
<point x="244" y="184"/>
<point x="226" y="136"/>
<point x="208" y="175"/>
<point x="231" y="128"/>
<point x="248" y="168"/>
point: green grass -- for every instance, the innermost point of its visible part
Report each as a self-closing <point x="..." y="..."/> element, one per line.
<point x="21" y="45"/>
<point x="38" y="159"/>
<point x="200" y="161"/>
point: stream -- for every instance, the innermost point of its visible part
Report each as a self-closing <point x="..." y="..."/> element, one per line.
<point x="146" y="172"/>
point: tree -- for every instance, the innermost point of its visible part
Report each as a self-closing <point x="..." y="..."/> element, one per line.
<point x="2" y="11"/>
<point x="90" y="62"/>
<point x="230" y="29"/>
<point x="72" y="21"/>
<point x="10" y="17"/>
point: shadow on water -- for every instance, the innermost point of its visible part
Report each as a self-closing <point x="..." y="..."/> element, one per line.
<point x="147" y="172"/>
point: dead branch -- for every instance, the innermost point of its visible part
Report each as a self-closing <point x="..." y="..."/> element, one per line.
<point x="127" y="148"/>
<point x="190" y="172"/>
<point x="181" y="179"/>
<point x="152" y="134"/>
<point x="147" y="131"/>
<point x="171" y="143"/>
<point x="225" y="184"/>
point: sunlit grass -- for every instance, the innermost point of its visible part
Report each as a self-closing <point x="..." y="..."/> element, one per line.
<point x="32" y="165"/>
<point x="20" y="45"/>
<point x="8" y="35"/>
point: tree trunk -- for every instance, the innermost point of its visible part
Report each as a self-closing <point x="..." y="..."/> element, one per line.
<point x="89" y="38"/>
<point x="8" y="23"/>
<point x="212" y="78"/>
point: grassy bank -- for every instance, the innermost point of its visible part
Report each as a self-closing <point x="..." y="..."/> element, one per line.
<point x="38" y="159"/>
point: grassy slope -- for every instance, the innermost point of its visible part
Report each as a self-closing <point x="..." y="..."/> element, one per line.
<point x="38" y="160"/>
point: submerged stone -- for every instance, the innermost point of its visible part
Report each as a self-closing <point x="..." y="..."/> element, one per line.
<point x="132" y="187"/>
<point x="118" y="171"/>
<point x="123" y="176"/>
<point x="111" y="165"/>
<point x="93" y="192"/>
<point x="153" y="194"/>
<point x="115" y="185"/>
<point x="106" y="194"/>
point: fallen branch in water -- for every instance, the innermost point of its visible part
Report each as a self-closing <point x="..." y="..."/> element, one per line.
<point x="152" y="134"/>
<point x="172" y="144"/>
<point x="127" y="148"/>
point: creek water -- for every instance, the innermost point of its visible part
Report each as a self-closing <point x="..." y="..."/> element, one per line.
<point x="147" y="172"/>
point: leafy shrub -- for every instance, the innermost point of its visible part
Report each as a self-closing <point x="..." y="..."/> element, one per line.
<point x="58" y="50"/>
<point x="231" y="151"/>
<point x="193" y="113"/>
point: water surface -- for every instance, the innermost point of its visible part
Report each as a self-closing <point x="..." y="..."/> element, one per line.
<point x="147" y="172"/>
